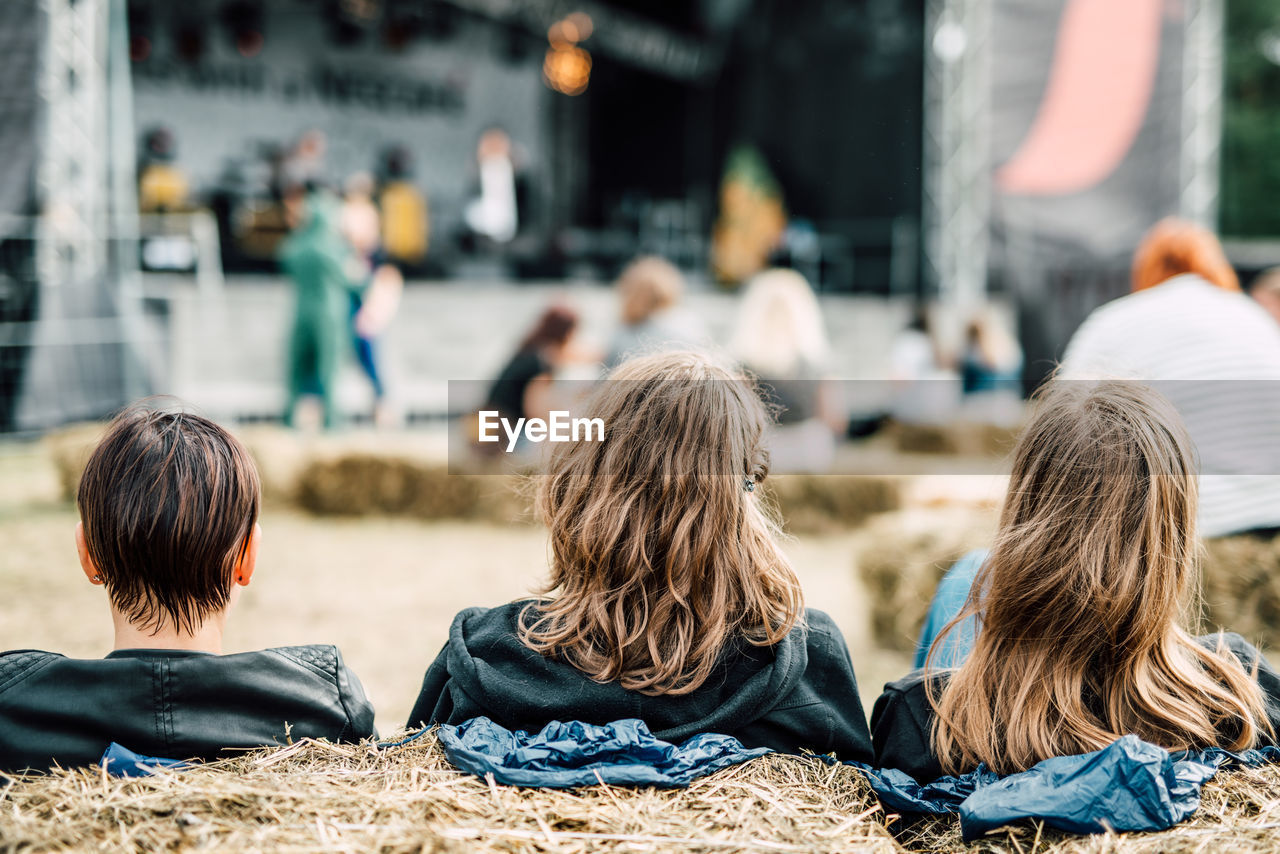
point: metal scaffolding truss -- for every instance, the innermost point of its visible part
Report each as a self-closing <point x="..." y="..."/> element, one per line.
<point x="1201" y="110"/>
<point x="82" y="357"/>
<point x="957" y="149"/>
<point x="71" y="180"/>
<point x="957" y="138"/>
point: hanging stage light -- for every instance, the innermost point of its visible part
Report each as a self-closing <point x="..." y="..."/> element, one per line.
<point x="567" y="67"/>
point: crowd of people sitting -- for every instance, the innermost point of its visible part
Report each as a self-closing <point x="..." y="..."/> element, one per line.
<point x="671" y="598"/>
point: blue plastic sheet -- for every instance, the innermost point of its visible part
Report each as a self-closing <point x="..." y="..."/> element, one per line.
<point x="565" y="755"/>
<point x="120" y="761"/>
<point x="1129" y="786"/>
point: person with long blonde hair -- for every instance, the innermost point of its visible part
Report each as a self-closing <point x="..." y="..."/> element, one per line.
<point x="779" y="336"/>
<point x="669" y="599"/>
<point x="1078" y="617"/>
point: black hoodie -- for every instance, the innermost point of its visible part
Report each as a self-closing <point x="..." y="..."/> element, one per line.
<point x="903" y="716"/>
<point x="800" y="693"/>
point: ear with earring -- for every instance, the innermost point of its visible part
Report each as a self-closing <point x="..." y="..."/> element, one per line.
<point x="749" y="484"/>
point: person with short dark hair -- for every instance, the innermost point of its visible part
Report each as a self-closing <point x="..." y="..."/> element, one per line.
<point x="169" y="527"/>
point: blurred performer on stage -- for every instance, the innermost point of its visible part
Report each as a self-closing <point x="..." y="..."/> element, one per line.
<point x="780" y="338"/>
<point x="650" y="290"/>
<point x="1188" y="326"/>
<point x="162" y="185"/>
<point x="317" y="258"/>
<point x="303" y="166"/>
<point x="406" y="218"/>
<point x="494" y="213"/>
<point x="752" y="218"/>
<point x="380" y="282"/>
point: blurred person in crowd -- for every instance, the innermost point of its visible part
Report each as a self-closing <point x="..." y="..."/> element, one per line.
<point x="523" y="386"/>
<point x="780" y="338"/>
<point x="162" y="186"/>
<point x="494" y="213"/>
<point x="1265" y="290"/>
<point x="991" y="360"/>
<point x="318" y="260"/>
<point x="406" y="218"/>
<point x="380" y="283"/>
<point x="650" y="290"/>
<point x="923" y="385"/>
<point x="914" y="353"/>
<point x="1188" y="325"/>
<point x="990" y="372"/>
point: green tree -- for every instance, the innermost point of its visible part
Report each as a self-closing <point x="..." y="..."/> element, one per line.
<point x="1250" y="194"/>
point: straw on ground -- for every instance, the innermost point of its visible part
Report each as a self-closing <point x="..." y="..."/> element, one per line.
<point x="316" y="796"/>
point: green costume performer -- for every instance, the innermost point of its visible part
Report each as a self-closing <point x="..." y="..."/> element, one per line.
<point x="315" y="257"/>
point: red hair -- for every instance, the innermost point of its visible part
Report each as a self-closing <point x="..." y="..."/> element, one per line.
<point x="1175" y="246"/>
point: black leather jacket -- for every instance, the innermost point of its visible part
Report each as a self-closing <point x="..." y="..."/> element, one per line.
<point x="175" y="704"/>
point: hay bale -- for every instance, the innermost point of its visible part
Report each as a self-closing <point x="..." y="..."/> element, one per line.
<point x="1242" y="587"/>
<point x="69" y="448"/>
<point x="902" y="559"/>
<point x="280" y="455"/>
<point x="363" y="484"/>
<point x="954" y="439"/>
<point x="315" y="796"/>
<point x="827" y="503"/>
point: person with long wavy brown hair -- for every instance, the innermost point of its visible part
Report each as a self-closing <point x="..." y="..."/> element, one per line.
<point x="669" y="599"/>
<point x="1077" y="617"/>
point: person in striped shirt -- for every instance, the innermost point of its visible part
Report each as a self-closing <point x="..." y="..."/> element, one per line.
<point x="1189" y="330"/>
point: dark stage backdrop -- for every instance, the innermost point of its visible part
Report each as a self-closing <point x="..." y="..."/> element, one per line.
<point x="1087" y="99"/>
<point x="829" y="91"/>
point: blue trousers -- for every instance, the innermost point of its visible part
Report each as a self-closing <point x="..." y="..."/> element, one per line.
<point x="948" y="600"/>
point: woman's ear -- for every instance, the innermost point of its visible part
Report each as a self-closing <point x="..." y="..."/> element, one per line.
<point x="86" y="562"/>
<point x="249" y="557"/>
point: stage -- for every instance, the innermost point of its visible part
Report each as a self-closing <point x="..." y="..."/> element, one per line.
<point x="223" y="350"/>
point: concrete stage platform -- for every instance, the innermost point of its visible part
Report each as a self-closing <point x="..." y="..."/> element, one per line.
<point x="224" y="350"/>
